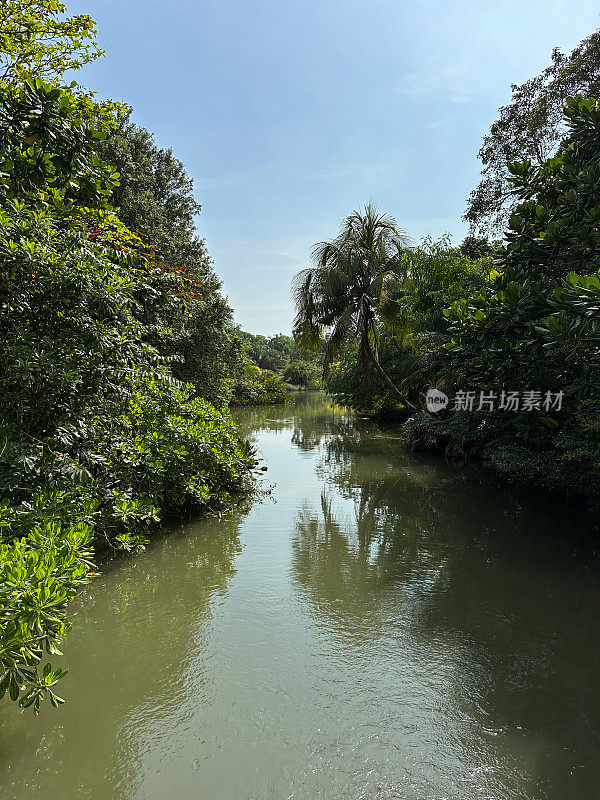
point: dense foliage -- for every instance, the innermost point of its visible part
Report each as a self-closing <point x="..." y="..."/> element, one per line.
<point x="428" y="279"/>
<point x="520" y="316"/>
<point x="284" y="356"/>
<point x="536" y="325"/>
<point x="256" y="386"/>
<point x="155" y="199"/>
<point x="274" y="366"/>
<point x="98" y="435"/>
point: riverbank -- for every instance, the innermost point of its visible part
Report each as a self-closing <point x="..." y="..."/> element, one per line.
<point x="568" y="466"/>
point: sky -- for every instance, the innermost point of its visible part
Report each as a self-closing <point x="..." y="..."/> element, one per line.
<point x="290" y="114"/>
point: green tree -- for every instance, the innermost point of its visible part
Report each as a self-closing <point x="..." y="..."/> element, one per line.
<point x="475" y="247"/>
<point x="302" y="373"/>
<point x="346" y="291"/>
<point x="49" y="138"/>
<point x="155" y="198"/>
<point x="538" y="316"/>
<point x="96" y="434"/>
<point x="535" y="326"/>
<point x="256" y="386"/>
<point x="431" y="277"/>
<point x="272" y="353"/>
<point x="434" y="275"/>
<point x="37" y="40"/>
<point x="530" y="128"/>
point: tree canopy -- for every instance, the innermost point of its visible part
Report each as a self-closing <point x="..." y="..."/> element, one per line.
<point x="346" y="292"/>
<point x="38" y="40"/>
<point x="100" y="432"/>
<point x="154" y="197"/>
<point x="530" y="128"/>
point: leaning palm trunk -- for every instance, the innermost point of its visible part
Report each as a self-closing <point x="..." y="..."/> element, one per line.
<point x="369" y="357"/>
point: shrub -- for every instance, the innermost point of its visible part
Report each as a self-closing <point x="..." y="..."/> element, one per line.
<point x="259" y="387"/>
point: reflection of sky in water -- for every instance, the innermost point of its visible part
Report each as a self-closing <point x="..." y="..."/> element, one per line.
<point x="382" y="626"/>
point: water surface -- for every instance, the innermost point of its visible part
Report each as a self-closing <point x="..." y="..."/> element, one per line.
<point x="381" y="626"/>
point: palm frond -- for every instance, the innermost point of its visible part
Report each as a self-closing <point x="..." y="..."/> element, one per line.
<point x="344" y="327"/>
<point x="355" y="279"/>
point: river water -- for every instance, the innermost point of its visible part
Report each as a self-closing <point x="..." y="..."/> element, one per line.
<point x="380" y="626"/>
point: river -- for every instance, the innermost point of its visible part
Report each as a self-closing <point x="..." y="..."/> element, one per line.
<point x="380" y="625"/>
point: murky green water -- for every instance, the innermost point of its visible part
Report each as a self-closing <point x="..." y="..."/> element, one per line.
<point x="383" y="627"/>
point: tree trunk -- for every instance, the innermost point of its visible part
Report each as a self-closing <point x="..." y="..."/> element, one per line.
<point x="379" y="369"/>
<point x="366" y="372"/>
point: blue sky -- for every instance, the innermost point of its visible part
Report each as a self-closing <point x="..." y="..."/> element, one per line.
<point x="289" y="114"/>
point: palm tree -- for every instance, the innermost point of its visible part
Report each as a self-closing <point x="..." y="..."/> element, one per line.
<point x="347" y="291"/>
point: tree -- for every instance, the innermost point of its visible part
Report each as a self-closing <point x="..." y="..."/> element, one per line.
<point x="96" y="434"/>
<point x="346" y="291"/>
<point x="534" y="321"/>
<point x="432" y="276"/>
<point x="49" y="138"/>
<point x="272" y="353"/>
<point x="155" y="198"/>
<point x="302" y="373"/>
<point x="530" y="128"/>
<point x="475" y="247"/>
<point x="535" y="326"/>
<point x="36" y="40"/>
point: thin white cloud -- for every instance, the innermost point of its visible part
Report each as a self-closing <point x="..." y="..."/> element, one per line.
<point x="233" y="181"/>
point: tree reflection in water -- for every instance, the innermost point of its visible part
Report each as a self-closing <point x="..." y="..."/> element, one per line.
<point x="506" y="581"/>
